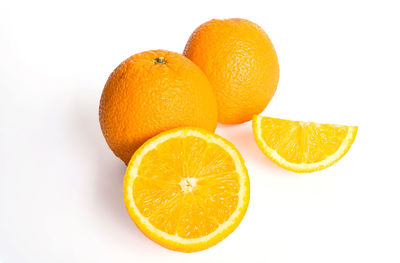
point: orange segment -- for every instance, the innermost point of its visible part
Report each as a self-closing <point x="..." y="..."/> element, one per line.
<point x="186" y="189"/>
<point x="302" y="146"/>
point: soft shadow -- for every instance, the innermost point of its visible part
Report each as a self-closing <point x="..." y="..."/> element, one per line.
<point x="109" y="172"/>
<point x="242" y="137"/>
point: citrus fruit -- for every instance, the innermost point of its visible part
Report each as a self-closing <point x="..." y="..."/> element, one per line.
<point x="241" y="64"/>
<point x="186" y="189"/>
<point x="152" y="92"/>
<point x="302" y="146"/>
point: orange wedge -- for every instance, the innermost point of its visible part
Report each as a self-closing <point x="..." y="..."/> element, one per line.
<point x="302" y="146"/>
<point x="186" y="189"/>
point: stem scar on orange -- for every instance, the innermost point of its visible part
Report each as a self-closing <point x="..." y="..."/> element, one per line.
<point x="152" y="92"/>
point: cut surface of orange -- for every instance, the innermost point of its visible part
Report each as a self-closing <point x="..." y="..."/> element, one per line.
<point x="302" y="146"/>
<point x="186" y="189"/>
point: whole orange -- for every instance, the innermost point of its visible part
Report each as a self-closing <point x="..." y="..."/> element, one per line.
<point x="241" y="64"/>
<point x="152" y="92"/>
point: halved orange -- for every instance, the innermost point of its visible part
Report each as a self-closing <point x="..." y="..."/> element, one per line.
<point x="187" y="189"/>
<point x="302" y="146"/>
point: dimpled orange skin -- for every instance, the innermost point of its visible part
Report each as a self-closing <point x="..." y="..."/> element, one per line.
<point x="241" y="64"/>
<point x="146" y="95"/>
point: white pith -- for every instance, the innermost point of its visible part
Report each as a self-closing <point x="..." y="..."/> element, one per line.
<point x="304" y="167"/>
<point x="187" y="185"/>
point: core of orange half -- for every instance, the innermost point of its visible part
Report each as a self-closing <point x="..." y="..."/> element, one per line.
<point x="187" y="189"/>
<point x="302" y="146"/>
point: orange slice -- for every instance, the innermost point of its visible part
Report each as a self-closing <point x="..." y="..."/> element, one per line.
<point x="302" y="146"/>
<point x="186" y="189"/>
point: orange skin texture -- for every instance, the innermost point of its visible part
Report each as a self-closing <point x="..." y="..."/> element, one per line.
<point x="143" y="98"/>
<point x="241" y="64"/>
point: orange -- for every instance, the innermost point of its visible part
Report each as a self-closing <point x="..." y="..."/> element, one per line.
<point x="241" y="64"/>
<point x="302" y="146"/>
<point x="186" y="189"/>
<point x="152" y="92"/>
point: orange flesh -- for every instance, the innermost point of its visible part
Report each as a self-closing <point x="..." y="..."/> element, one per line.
<point x="187" y="187"/>
<point x="302" y="142"/>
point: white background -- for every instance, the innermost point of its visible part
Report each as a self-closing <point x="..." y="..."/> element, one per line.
<point x="61" y="187"/>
